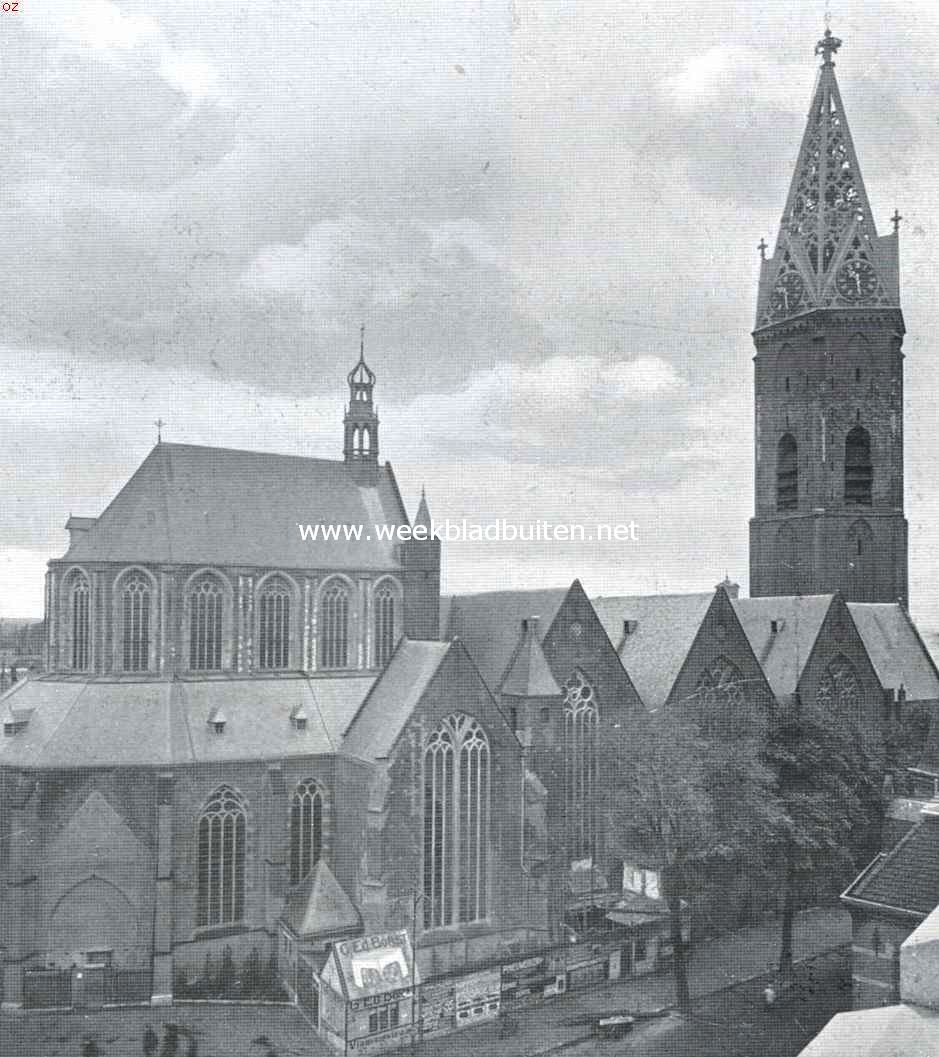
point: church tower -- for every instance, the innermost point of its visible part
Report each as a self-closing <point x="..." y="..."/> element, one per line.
<point x="829" y="380"/>
<point x="360" y="446"/>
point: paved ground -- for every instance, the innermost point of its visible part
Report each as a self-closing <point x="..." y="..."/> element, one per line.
<point x="229" y="1031"/>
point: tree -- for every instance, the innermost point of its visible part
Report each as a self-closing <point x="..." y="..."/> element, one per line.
<point x="828" y="782"/>
<point x="679" y="799"/>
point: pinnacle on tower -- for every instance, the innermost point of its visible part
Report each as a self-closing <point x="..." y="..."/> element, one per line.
<point x="828" y="253"/>
<point x="423" y="513"/>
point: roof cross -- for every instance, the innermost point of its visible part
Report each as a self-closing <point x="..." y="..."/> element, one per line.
<point x="827" y="47"/>
<point x="763" y="247"/>
<point x="895" y="220"/>
<point x="159" y="425"/>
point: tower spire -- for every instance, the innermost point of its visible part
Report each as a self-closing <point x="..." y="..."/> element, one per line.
<point x="828" y="253"/>
<point x="360" y="447"/>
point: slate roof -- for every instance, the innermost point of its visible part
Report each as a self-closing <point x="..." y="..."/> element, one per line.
<point x="782" y="653"/>
<point x="654" y="652"/>
<point x="217" y="506"/>
<point x="319" y="905"/>
<point x="396" y="693"/>
<point x="907" y="877"/>
<point x="123" y="722"/>
<point x="529" y="674"/>
<point x="896" y="650"/>
<point x="490" y="625"/>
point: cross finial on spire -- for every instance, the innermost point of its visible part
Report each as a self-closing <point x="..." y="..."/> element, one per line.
<point x="827" y="47"/>
<point x="895" y="220"/>
<point x="159" y="425"/>
<point x="362" y="342"/>
<point x="763" y="247"/>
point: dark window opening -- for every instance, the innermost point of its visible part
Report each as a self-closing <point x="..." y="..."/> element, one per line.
<point x="857" y="374"/>
<point x="858" y="468"/>
<point x="787" y="473"/>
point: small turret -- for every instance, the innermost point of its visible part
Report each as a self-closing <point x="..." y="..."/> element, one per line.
<point x="360" y="447"/>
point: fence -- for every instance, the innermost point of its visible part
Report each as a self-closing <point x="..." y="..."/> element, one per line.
<point x="47" y="988"/>
<point x="89" y="988"/>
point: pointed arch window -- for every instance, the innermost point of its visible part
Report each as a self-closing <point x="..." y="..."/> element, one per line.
<point x="719" y="692"/>
<point x="581" y="720"/>
<point x="274" y="624"/>
<point x="334" y="626"/>
<point x="136" y="597"/>
<point x="206" y="609"/>
<point x="79" y="596"/>
<point x="384" y="624"/>
<point x="222" y="833"/>
<point x="306" y="829"/>
<point x="839" y="689"/>
<point x="787" y="473"/>
<point x="456" y="823"/>
<point x="858" y="468"/>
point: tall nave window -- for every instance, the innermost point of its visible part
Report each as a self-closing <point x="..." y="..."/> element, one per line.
<point x="80" y="612"/>
<point x="135" y="619"/>
<point x="384" y="624"/>
<point x="306" y="829"/>
<point x="205" y="625"/>
<point x="274" y="625"/>
<point x="456" y="823"/>
<point x="581" y="718"/>
<point x="221" y="859"/>
<point x="334" y="626"/>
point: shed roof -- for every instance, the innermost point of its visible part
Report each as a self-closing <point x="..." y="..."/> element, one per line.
<point x="123" y="722"/>
<point x="218" y="506"/>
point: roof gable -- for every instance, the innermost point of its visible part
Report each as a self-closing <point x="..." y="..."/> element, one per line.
<point x="217" y="506"/>
<point x="662" y="629"/>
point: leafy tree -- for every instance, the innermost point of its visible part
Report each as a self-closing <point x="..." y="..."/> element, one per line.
<point x="828" y="782"/>
<point x="679" y="799"/>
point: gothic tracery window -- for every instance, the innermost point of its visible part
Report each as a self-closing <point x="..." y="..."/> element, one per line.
<point x="581" y="719"/>
<point x="456" y="823"/>
<point x="334" y="626"/>
<point x="274" y="624"/>
<point x="719" y="692"/>
<point x="79" y="596"/>
<point x="222" y="832"/>
<point x="787" y="473"/>
<point x="135" y="623"/>
<point x="384" y="624"/>
<point x="306" y="829"/>
<point x="206" y="602"/>
<point x="839" y="689"/>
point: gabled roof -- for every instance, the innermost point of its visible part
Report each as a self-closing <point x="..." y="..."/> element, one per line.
<point x="96" y="723"/>
<point x="529" y="674"/>
<point x="319" y="905"/>
<point x="393" y="697"/>
<point x="782" y="653"/>
<point x="216" y="506"/>
<point x="654" y="651"/>
<point x="490" y="624"/>
<point x="897" y="652"/>
<point x="907" y="877"/>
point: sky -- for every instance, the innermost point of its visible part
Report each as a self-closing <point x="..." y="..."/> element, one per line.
<point x="545" y="213"/>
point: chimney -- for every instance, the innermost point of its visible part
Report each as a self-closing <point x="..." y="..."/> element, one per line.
<point x="629" y="628"/>
<point x="77" y="527"/>
<point x="530" y="624"/>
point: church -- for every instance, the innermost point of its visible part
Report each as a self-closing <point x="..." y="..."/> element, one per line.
<point x="254" y="746"/>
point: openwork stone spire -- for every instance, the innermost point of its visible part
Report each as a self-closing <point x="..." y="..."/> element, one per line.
<point x="828" y="253"/>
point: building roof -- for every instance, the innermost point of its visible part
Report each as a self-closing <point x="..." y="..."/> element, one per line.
<point x="907" y="877"/>
<point x="783" y="652"/>
<point x="490" y="624"/>
<point x="216" y="506"/>
<point x="123" y="722"/>
<point x="529" y="674"/>
<point x="891" y="1031"/>
<point x="319" y="905"/>
<point x="897" y="652"/>
<point x="655" y="649"/>
<point x="395" y="694"/>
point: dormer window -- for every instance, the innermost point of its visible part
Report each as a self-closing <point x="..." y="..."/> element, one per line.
<point x="217" y="720"/>
<point x="299" y="718"/>
<point x="16" y="721"/>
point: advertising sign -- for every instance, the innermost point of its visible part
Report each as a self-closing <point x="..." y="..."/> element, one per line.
<point x="374" y="966"/>
<point x="477" y="996"/>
